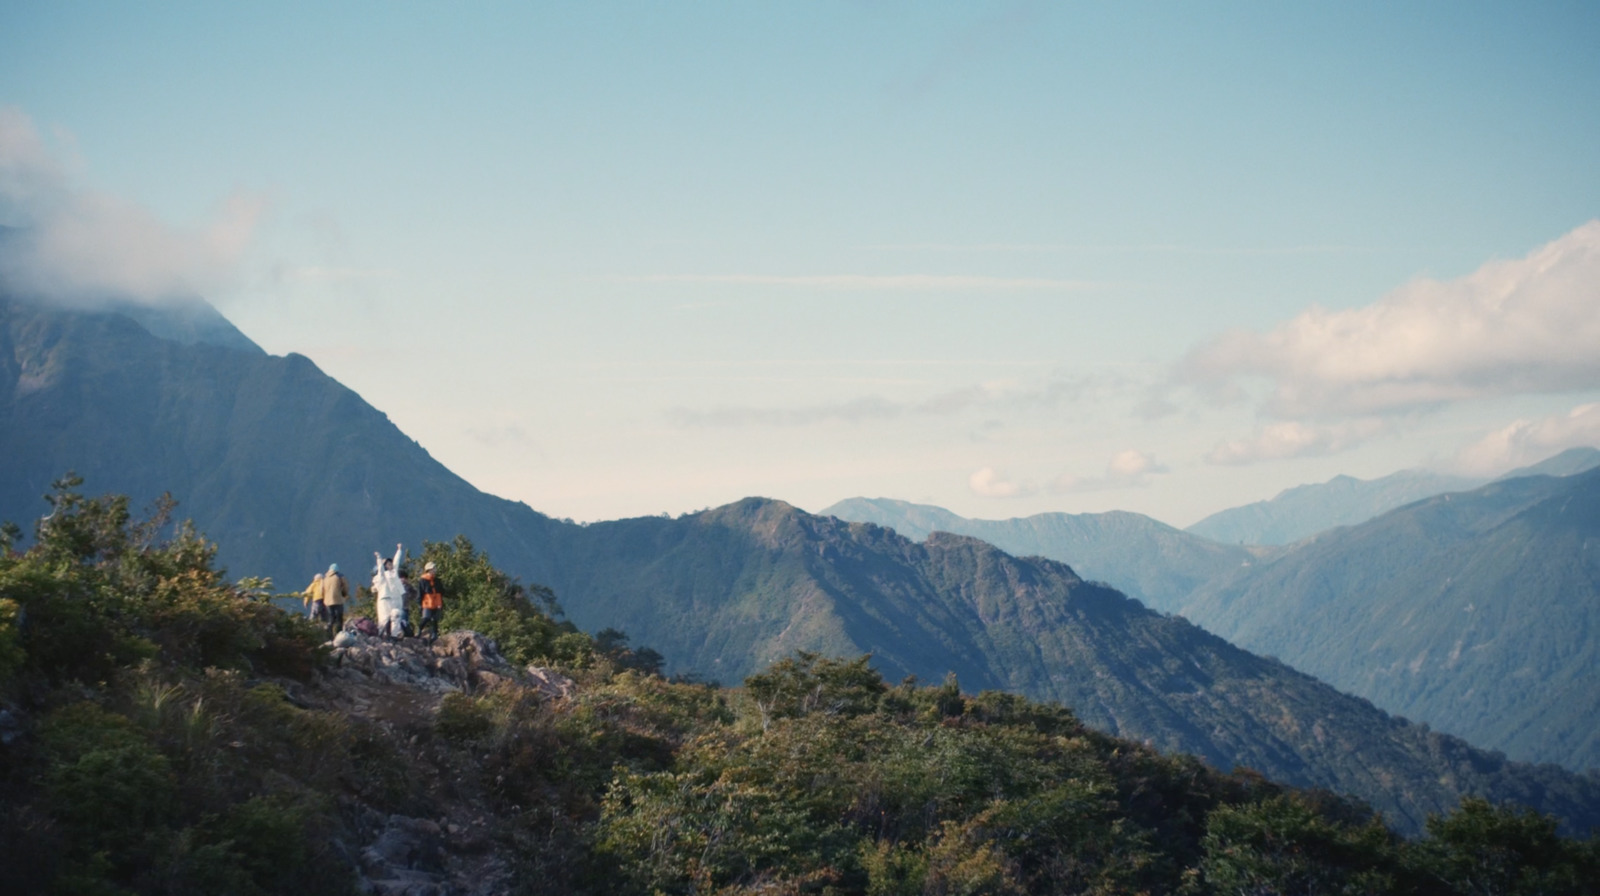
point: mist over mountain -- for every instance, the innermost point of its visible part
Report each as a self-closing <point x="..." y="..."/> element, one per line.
<point x="289" y="470"/>
<point x="1474" y="611"/>
<point x="1144" y="558"/>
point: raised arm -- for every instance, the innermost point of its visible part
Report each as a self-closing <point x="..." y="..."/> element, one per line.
<point x="399" y="553"/>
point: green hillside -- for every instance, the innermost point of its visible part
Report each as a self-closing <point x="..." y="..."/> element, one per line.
<point x="1473" y="611"/>
<point x="1145" y="559"/>
<point x="166" y="731"/>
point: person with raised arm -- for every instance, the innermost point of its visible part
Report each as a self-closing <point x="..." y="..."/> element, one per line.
<point x="389" y="592"/>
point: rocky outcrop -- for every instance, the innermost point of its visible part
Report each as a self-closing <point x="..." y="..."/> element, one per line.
<point x="399" y="684"/>
<point x="462" y="661"/>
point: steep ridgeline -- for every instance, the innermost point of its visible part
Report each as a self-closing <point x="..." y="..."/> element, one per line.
<point x="287" y="469"/>
<point x="1305" y="510"/>
<point x="1144" y="558"/>
<point x="726" y="590"/>
<point x="1476" y="612"/>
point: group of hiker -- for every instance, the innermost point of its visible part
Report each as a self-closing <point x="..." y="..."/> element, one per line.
<point x="393" y="593"/>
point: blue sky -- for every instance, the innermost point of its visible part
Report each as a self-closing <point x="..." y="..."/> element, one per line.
<point x="617" y="259"/>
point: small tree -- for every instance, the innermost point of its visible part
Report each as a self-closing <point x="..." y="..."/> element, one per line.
<point x="809" y="682"/>
<point x="523" y="620"/>
<point x="1486" y="850"/>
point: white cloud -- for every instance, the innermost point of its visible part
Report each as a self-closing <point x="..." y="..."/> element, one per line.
<point x="85" y="246"/>
<point x="988" y="483"/>
<point x="1525" y="442"/>
<point x="1525" y="326"/>
<point x="1291" y="439"/>
<point x="1130" y="463"/>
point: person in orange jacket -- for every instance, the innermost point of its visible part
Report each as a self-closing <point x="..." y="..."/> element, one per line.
<point x="432" y="601"/>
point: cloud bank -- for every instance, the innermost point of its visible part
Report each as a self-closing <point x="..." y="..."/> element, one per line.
<point x="1335" y="379"/>
<point x="81" y="246"/>
<point x="1512" y="327"/>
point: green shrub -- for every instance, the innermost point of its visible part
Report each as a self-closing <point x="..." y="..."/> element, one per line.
<point x="260" y="846"/>
<point x="1284" y="845"/>
<point x="110" y="789"/>
<point x="520" y="619"/>
<point x="461" y="718"/>
<point x="100" y="593"/>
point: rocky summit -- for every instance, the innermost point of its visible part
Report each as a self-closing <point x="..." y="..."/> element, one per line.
<point x="401" y="685"/>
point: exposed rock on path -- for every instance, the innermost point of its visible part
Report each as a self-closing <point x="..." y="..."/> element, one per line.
<point x="399" y="684"/>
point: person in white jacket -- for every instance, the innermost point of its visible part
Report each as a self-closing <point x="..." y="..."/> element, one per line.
<point x="389" y="591"/>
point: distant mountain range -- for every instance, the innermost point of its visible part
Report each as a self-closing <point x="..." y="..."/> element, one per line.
<point x="1144" y="558"/>
<point x="1472" y="611"/>
<point x="1306" y="510"/>
<point x="288" y="470"/>
<point x="1476" y="611"/>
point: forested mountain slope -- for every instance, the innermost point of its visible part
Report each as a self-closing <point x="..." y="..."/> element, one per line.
<point x="284" y="466"/>
<point x="1478" y="612"/>
<point x="726" y="590"/>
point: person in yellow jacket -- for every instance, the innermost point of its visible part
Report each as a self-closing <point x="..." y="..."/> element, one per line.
<point x="316" y="610"/>
<point x="334" y="594"/>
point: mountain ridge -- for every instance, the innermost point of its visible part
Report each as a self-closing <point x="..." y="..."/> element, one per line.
<point x="1157" y="564"/>
<point x="270" y="453"/>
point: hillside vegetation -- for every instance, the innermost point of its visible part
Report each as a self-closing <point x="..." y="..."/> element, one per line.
<point x="167" y="731"/>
